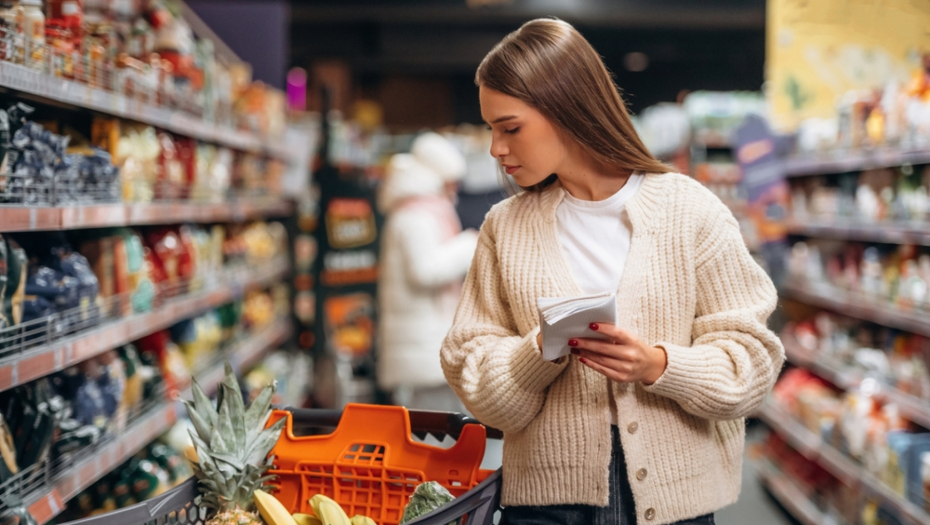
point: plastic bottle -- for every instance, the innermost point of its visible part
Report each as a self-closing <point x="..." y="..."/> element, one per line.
<point x="34" y="29"/>
<point x="11" y="31"/>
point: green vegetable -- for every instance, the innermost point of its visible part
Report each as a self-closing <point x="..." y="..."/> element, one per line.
<point x="426" y="498"/>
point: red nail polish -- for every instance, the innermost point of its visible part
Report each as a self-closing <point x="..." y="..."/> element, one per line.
<point x="572" y="342"/>
<point x="582" y="360"/>
<point x="594" y="326"/>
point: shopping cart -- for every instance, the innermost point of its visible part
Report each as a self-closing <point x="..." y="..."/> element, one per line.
<point x="370" y="464"/>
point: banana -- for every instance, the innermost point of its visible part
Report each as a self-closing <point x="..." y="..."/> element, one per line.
<point x="272" y="511"/>
<point x="329" y="511"/>
<point x="362" y="520"/>
<point x="306" y="519"/>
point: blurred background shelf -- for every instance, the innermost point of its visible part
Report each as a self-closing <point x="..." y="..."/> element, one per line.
<point x="21" y="365"/>
<point x="856" y="305"/>
<point x="911" y="407"/>
<point x="78" y="94"/>
<point x="846" y="470"/>
<point x="842" y="162"/>
<point x="47" y="488"/>
<point x="893" y="233"/>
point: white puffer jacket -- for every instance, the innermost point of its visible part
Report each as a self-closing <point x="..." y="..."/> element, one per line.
<point x="424" y="258"/>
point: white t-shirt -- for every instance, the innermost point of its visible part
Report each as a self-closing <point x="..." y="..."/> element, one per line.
<point x="595" y="237"/>
<point x="595" y="240"/>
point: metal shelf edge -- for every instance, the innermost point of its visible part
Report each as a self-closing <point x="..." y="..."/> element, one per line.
<point x="21" y="78"/>
<point x="887" y="233"/>
<point x="853" y="161"/>
<point x="848" y="304"/>
<point x="62" y="354"/>
<point x="789" y="495"/>
<point x="39" y="218"/>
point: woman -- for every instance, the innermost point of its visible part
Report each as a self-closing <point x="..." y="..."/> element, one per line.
<point x="647" y="428"/>
<point x="424" y="257"/>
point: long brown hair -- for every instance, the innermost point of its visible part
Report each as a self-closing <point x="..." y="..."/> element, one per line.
<point x="550" y="66"/>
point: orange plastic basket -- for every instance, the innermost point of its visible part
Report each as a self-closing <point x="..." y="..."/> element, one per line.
<point x="370" y="464"/>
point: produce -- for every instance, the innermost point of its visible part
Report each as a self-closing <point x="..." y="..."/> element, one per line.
<point x="329" y="512"/>
<point x="232" y="446"/>
<point x="306" y="519"/>
<point x="272" y="511"/>
<point x="362" y="520"/>
<point x="426" y="498"/>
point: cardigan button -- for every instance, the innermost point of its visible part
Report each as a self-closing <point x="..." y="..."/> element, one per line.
<point x="633" y="427"/>
<point x="641" y="474"/>
<point x="650" y="514"/>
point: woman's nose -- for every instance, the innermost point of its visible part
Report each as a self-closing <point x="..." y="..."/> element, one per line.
<point x="499" y="149"/>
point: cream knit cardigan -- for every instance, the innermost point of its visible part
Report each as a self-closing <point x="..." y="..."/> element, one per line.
<point x="689" y="286"/>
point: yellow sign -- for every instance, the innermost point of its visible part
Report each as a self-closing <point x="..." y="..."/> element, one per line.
<point x="819" y="50"/>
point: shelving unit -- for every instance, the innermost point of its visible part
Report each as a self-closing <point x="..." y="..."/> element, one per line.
<point x="845" y="469"/>
<point x="789" y="495"/>
<point x="47" y="489"/>
<point x="38" y="218"/>
<point x="857" y="305"/>
<point x="842" y="162"/>
<point x="911" y="407"/>
<point x="63" y="91"/>
<point x="892" y="232"/>
<point x="33" y="363"/>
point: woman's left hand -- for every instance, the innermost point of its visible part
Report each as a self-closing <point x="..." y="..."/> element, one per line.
<point x="625" y="358"/>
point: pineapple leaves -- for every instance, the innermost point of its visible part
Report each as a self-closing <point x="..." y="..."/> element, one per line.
<point x="265" y="441"/>
<point x="258" y="413"/>
<point x="223" y="430"/>
<point x="203" y="405"/>
<point x="228" y="459"/>
<point x="236" y="417"/>
<point x="201" y="425"/>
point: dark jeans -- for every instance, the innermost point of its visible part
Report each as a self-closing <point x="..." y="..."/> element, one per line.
<point x="620" y="510"/>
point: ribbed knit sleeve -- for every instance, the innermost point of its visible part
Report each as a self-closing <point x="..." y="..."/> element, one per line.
<point x="498" y="373"/>
<point x="734" y="358"/>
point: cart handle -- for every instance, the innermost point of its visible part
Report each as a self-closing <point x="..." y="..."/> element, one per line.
<point x="422" y="422"/>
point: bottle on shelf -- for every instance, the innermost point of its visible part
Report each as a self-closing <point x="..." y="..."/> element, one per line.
<point x="11" y="31"/>
<point x="34" y="32"/>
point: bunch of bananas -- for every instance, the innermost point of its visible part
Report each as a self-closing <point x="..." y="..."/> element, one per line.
<point x="325" y="512"/>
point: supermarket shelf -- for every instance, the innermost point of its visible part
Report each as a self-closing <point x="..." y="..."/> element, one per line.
<point x="78" y="94"/>
<point x="911" y="407"/>
<point x="890" y="233"/>
<point x="789" y="495"/>
<point x="845" y="469"/>
<point x="46" y="504"/>
<point x="44" y="360"/>
<point x="35" y="218"/>
<point x="842" y="162"/>
<point x="857" y="305"/>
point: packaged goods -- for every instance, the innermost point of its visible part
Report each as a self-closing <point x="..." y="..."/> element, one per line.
<point x="34" y="33"/>
<point x="426" y="498"/>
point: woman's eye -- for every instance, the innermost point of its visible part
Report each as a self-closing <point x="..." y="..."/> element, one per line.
<point x="512" y="131"/>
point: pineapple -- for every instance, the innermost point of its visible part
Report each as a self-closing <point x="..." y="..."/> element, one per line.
<point x="232" y="447"/>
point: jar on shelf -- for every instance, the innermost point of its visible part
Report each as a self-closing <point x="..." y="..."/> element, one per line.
<point x="34" y="32"/>
<point x="11" y="32"/>
<point x="61" y="47"/>
<point x="100" y="52"/>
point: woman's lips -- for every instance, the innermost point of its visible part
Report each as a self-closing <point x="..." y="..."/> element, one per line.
<point x="510" y="169"/>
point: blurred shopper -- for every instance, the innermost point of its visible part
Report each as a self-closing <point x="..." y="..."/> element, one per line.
<point x="424" y="257"/>
<point x="648" y="426"/>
